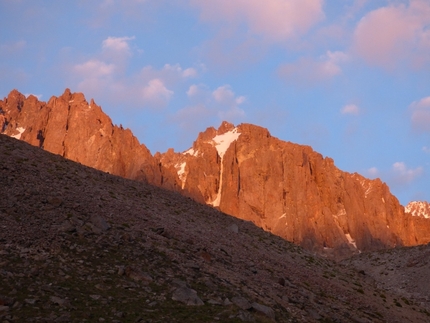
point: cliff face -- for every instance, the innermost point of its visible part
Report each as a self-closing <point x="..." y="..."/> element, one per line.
<point x="291" y="191"/>
<point x="285" y="188"/>
<point x="75" y="129"/>
<point x="420" y="216"/>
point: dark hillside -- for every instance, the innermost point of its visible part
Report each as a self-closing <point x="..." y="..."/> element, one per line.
<point x="80" y="245"/>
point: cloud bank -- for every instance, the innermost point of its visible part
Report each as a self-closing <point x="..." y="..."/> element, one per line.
<point x="105" y="75"/>
<point x="395" y="34"/>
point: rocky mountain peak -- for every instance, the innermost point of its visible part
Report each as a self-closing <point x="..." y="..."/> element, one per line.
<point x="282" y="187"/>
<point x="289" y="190"/>
<point x="67" y="125"/>
<point x="67" y="95"/>
<point x="224" y="127"/>
<point x="207" y="135"/>
<point x="419" y="209"/>
<point x="15" y="99"/>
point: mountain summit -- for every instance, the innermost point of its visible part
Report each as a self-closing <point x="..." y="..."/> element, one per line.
<point x="291" y="191"/>
<point x="285" y="188"/>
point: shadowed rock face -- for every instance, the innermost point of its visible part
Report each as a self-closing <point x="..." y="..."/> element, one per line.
<point x="285" y="188"/>
<point x="78" y="245"/>
<point x="75" y="129"/>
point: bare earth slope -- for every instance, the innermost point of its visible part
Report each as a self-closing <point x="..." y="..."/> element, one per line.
<point x="284" y="188"/>
<point x="80" y="245"/>
<point x="405" y="271"/>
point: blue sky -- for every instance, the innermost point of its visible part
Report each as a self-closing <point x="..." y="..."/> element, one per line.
<point x="351" y="78"/>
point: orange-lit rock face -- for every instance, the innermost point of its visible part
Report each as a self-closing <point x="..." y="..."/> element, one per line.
<point x="285" y="188"/>
<point x="290" y="190"/>
<point x="420" y="212"/>
<point x="75" y="129"/>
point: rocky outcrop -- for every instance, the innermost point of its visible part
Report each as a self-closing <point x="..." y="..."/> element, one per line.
<point x="420" y="215"/>
<point x="419" y="209"/>
<point x="285" y="188"/>
<point x="291" y="191"/>
<point x="75" y="129"/>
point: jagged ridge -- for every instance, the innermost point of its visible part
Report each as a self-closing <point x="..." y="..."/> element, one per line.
<point x="285" y="188"/>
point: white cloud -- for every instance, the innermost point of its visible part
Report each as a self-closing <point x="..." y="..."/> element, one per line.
<point x="426" y="149"/>
<point x="211" y="107"/>
<point x="395" y="33"/>
<point x="193" y="90"/>
<point x="119" y="44"/>
<point x="373" y="172"/>
<point x="273" y="20"/>
<point x="239" y="100"/>
<point x="106" y="76"/>
<point x="223" y="94"/>
<point x="227" y="103"/>
<point x="117" y="50"/>
<point x="156" y="93"/>
<point x="199" y="94"/>
<point x="420" y="117"/>
<point x="308" y="70"/>
<point x="176" y="72"/>
<point x="401" y="174"/>
<point x="350" y="109"/>
<point x="246" y="29"/>
<point x="189" y="72"/>
<point x="94" y="68"/>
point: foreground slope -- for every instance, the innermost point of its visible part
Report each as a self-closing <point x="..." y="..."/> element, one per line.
<point x="285" y="188"/>
<point x="80" y="245"/>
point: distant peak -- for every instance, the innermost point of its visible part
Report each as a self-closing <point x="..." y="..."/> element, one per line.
<point x="67" y="95"/>
<point x="225" y="127"/>
<point x="418" y="208"/>
<point x="15" y="94"/>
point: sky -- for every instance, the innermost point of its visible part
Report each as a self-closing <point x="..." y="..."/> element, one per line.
<point x="351" y="78"/>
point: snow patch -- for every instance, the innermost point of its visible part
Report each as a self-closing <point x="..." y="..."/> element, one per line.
<point x="181" y="173"/>
<point x="191" y="152"/>
<point x="367" y="187"/>
<point x="283" y="216"/>
<point x="222" y="143"/>
<point x="21" y="131"/>
<point x="217" y="200"/>
<point x="350" y="240"/>
<point x="420" y="209"/>
<point x="383" y="201"/>
<point x="71" y="101"/>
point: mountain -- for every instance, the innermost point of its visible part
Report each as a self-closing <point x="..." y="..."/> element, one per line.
<point x="81" y="245"/>
<point x="75" y="129"/>
<point x="291" y="191"/>
<point x="420" y="212"/>
<point x="282" y="187"/>
<point x="419" y="209"/>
